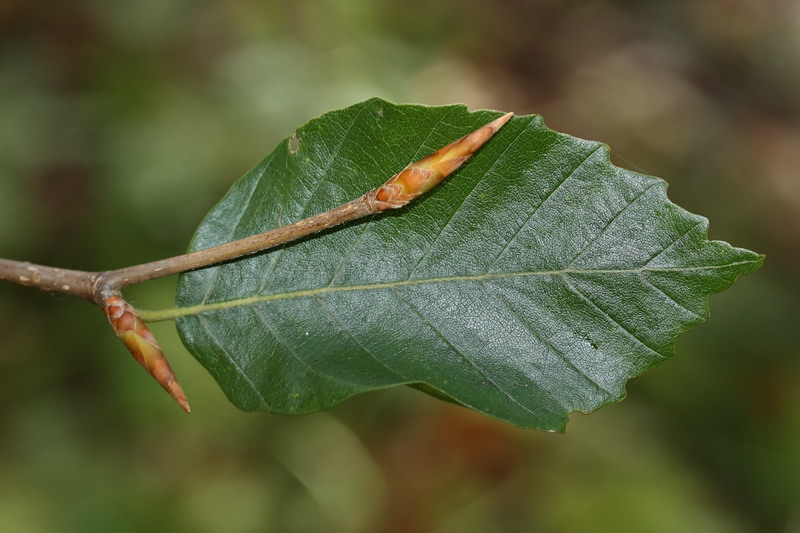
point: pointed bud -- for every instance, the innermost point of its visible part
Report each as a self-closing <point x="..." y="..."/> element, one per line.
<point x="421" y="176"/>
<point x="143" y="346"/>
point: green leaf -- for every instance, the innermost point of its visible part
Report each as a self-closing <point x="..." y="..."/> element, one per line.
<point x="534" y="282"/>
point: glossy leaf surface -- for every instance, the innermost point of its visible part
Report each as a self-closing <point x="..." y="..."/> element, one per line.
<point x="534" y="282"/>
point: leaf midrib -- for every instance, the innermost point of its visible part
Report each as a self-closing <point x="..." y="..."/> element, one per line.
<point x="177" y="312"/>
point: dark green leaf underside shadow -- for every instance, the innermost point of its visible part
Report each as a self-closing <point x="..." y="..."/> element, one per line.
<point x="534" y="282"/>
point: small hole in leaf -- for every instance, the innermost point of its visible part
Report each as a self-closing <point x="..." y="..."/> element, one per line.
<point x="294" y="143"/>
<point x="380" y="112"/>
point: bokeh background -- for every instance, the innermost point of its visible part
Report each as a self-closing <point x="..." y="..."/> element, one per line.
<point x="122" y="123"/>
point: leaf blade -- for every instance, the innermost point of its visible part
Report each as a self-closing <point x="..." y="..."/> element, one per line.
<point x="534" y="282"/>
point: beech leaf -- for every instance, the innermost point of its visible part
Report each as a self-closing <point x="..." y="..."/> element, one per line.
<point x="534" y="282"/>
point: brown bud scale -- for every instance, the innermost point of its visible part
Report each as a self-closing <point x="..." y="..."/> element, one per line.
<point x="421" y="176"/>
<point x="133" y="332"/>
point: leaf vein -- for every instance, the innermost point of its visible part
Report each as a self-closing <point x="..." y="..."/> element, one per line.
<point x="176" y="312"/>
<point x="611" y="319"/>
<point x="351" y="251"/>
<point x="560" y="354"/>
<point x="234" y="229"/>
<point x="428" y="136"/>
<point x="366" y="227"/>
<point x="461" y="204"/>
<point x="458" y="352"/>
<point x="231" y="360"/>
<point x="670" y="298"/>
<point x="279" y="252"/>
<point x="260" y="314"/>
<point x="611" y="222"/>
<point x="350" y="334"/>
<point x="540" y="206"/>
<point x="677" y="239"/>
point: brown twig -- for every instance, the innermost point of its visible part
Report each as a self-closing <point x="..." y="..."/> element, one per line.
<point x="73" y="282"/>
<point x="117" y="279"/>
<point x="103" y="288"/>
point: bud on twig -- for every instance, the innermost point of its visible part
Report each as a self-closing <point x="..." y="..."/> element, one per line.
<point x="141" y="343"/>
<point x="421" y="176"/>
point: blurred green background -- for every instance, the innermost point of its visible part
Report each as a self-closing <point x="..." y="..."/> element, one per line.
<point x="122" y="123"/>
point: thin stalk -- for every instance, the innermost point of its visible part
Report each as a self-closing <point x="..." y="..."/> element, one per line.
<point x="117" y="279"/>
